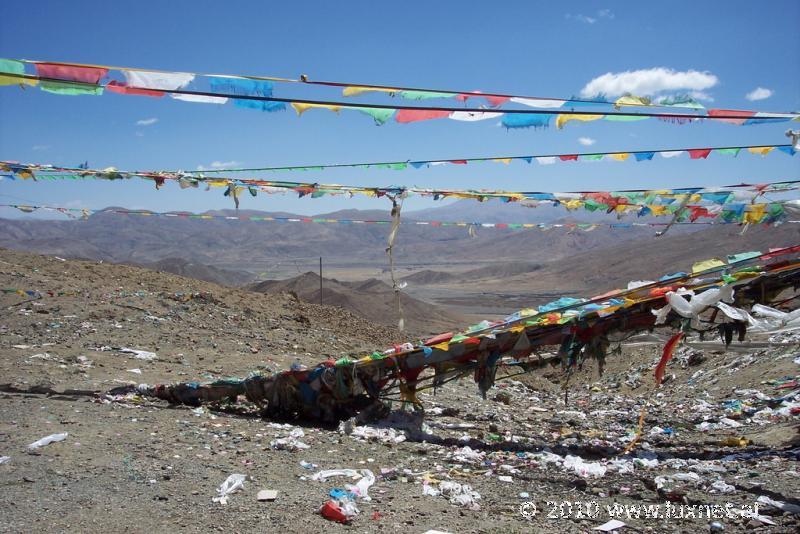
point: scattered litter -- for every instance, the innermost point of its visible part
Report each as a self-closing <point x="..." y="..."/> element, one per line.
<point x="290" y="442"/>
<point x="231" y="484"/>
<point x="139" y="354"/>
<point x="361" y="488"/>
<point x="137" y="371"/>
<point x="584" y="469"/>
<point x="47" y="440"/>
<point x="385" y="435"/>
<point x="4" y="459"/>
<point x="460" y="494"/>
<point x="466" y="455"/>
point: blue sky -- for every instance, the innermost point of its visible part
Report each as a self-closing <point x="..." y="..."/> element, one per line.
<point x="534" y="48"/>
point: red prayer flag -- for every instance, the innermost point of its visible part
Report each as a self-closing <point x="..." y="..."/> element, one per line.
<point x="497" y="101"/>
<point x="669" y="348"/>
<point x="699" y="153"/>
<point x="458" y="161"/>
<point x="120" y="88"/>
<point x="699" y="211"/>
<point x="568" y="158"/>
<point x="74" y="74"/>
<point x="731" y="112"/>
<point x="414" y="115"/>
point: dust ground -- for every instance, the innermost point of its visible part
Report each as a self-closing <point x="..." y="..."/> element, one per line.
<point x="139" y="467"/>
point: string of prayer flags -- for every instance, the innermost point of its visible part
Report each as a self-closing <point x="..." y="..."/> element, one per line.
<point x="85" y="213"/>
<point x="256" y="93"/>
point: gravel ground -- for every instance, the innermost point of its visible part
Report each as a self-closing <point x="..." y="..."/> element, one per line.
<point x="719" y="432"/>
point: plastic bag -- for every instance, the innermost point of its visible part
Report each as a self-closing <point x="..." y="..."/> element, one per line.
<point x="231" y="484"/>
<point x="47" y="440"/>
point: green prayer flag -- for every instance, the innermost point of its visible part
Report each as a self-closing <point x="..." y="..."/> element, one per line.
<point x="423" y="95"/>
<point x="72" y="89"/>
<point x="380" y="115"/>
<point x="9" y="66"/>
<point x="624" y="118"/>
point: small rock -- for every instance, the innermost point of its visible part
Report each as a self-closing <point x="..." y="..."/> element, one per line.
<point x="503" y="397"/>
<point x="754" y="523"/>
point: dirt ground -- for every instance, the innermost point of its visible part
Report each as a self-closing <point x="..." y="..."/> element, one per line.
<point x="721" y="431"/>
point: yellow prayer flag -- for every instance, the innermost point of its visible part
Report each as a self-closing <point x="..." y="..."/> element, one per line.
<point x="754" y="213"/>
<point x="301" y="107"/>
<point x="565" y="118"/>
<point x="355" y="90"/>
<point x="761" y="150"/>
<point x="13" y="80"/>
<point x="706" y="264"/>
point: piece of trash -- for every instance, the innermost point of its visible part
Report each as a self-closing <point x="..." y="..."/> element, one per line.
<point x="267" y="495"/>
<point x="460" y="494"/>
<point x="332" y="511"/>
<point x="47" y="440"/>
<point x="614" y="524"/>
<point x="435" y="532"/>
<point x="584" y="469"/>
<point x="307" y="465"/>
<point x="4" y="459"/>
<point x="360" y="489"/>
<point x="231" y="484"/>
<point x="290" y="442"/>
<point x="137" y="371"/>
<point x="505" y="478"/>
<point x="780" y="505"/>
<point x="722" y="487"/>
<point x="139" y="354"/>
<point x="734" y="442"/>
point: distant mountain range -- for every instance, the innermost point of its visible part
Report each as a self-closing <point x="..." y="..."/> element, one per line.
<point x="256" y="246"/>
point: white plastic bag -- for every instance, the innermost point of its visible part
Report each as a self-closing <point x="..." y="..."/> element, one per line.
<point x="231" y="484"/>
<point x="47" y="440"/>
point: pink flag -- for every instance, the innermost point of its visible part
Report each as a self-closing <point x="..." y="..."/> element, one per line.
<point x="731" y="112"/>
<point x="414" y="115"/>
<point x="70" y="73"/>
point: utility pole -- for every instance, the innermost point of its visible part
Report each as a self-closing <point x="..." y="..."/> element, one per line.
<point x="320" y="280"/>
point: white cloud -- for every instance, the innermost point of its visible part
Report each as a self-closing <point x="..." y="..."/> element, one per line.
<point x="648" y="82"/>
<point x="40" y="147"/>
<point x="701" y="95"/>
<point x="759" y="93"/>
<point x="591" y="19"/>
<point x="586" y="141"/>
<point x="147" y="122"/>
<point x="219" y="165"/>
